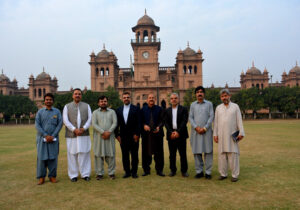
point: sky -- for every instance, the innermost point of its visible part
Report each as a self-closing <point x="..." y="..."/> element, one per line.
<point x="60" y="36"/>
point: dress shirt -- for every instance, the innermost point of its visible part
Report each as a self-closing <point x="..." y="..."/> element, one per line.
<point x="126" y="112"/>
<point x="174" y="117"/>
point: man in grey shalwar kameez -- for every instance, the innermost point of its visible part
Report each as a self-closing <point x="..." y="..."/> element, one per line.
<point x="201" y="116"/>
<point x="48" y="123"/>
<point x="104" y="123"/>
<point x="228" y="120"/>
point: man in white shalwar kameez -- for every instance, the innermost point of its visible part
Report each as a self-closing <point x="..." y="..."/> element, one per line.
<point x="228" y="120"/>
<point x="77" y="117"/>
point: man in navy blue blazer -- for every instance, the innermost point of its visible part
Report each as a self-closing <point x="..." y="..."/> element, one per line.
<point x="128" y="134"/>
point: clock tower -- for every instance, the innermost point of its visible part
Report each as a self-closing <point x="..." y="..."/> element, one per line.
<point x="146" y="46"/>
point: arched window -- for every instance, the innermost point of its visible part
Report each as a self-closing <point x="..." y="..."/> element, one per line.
<point x="1" y="92"/>
<point x="10" y="93"/>
<point x="297" y="84"/>
<point x="138" y="37"/>
<point x="184" y="69"/>
<point x="107" y="71"/>
<point x="190" y="69"/>
<point x="120" y="79"/>
<point x="262" y="86"/>
<point x="252" y="85"/>
<point x="40" y="92"/>
<point x="44" y="91"/>
<point x="102" y="72"/>
<point x="145" y="35"/>
<point x="34" y="92"/>
<point x="97" y="72"/>
<point x="152" y="36"/>
<point x="257" y="86"/>
<point x="173" y="79"/>
<point x="195" y="69"/>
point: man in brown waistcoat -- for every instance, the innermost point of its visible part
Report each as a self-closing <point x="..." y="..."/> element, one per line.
<point x="77" y="117"/>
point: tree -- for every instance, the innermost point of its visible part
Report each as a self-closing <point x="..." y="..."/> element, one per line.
<point x="271" y="98"/>
<point x="16" y="105"/>
<point x="213" y="95"/>
<point x="189" y="97"/>
<point x="254" y="100"/>
<point x="240" y="99"/>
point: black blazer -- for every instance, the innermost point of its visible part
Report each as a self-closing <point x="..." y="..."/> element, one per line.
<point x="182" y="119"/>
<point x="126" y="131"/>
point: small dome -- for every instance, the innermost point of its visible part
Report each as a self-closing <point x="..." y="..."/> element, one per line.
<point x="146" y="20"/>
<point x="253" y="70"/>
<point x="103" y="53"/>
<point x="189" y="51"/>
<point x="296" y="69"/>
<point x="3" y="77"/>
<point x="42" y="76"/>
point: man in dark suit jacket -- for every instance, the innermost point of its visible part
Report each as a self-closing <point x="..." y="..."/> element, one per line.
<point x="127" y="133"/>
<point x="176" y="118"/>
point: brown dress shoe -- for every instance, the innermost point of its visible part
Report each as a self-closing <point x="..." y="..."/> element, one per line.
<point x="53" y="179"/>
<point x="41" y="181"/>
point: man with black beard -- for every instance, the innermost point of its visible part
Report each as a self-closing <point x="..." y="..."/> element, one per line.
<point x="152" y="136"/>
<point x="127" y="133"/>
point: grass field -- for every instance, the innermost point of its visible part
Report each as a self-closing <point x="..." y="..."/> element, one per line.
<point x="269" y="177"/>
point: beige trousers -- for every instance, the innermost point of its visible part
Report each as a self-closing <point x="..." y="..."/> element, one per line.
<point x="233" y="160"/>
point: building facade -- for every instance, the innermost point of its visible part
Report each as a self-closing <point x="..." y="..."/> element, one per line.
<point x="146" y="76"/>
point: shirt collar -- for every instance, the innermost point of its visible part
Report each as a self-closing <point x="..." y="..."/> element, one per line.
<point x="204" y="101"/>
<point x="127" y="106"/>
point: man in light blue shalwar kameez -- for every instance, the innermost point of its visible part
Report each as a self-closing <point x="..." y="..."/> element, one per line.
<point x="48" y="123"/>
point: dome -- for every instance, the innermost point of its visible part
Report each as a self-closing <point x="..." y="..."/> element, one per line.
<point x="145" y="20"/>
<point x="253" y="70"/>
<point x="3" y="77"/>
<point x="43" y="75"/>
<point x="189" y="51"/>
<point x="296" y="69"/>
<point x="103" y="53"/>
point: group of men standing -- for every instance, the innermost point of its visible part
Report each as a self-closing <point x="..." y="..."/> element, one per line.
<point x="127" y="124"/>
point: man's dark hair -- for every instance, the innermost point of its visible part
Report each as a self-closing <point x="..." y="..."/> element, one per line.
<point x="77" y="89"/>
<point x="102" y="98"/>
<point x="49" y="95"/>
<point x="200" y="88"/>
<point x="126" y="93"/>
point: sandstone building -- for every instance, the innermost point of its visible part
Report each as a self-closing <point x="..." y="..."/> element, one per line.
<point x="146" y="75"/>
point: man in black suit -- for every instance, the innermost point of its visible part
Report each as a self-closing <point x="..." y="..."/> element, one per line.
<point x="176" y="119"/>
<point x="152" y="136"/>
<point x="127" y="133"/>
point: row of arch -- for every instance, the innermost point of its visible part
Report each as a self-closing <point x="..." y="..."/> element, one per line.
<point x="190" y="69"/>
<point x="146" y="36"/>
<point x="40" y="92"/>
<point x="102" y="72"/>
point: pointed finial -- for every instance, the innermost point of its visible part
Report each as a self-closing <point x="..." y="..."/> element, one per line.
<point x="296" y="63"/>
<point x="188" y="44"/>
<point x="252" y="63"/>
<point x="145" y="11"/>
<point x="43" y="69"/>
<point x="2" y="71"/>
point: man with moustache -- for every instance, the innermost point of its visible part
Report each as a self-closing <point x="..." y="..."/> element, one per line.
<point x="201" y="117"/>
<point x="228" y="121"/>
<point x="128" y="132"/>
<point x="152" y="136"/>
<point x="104" y="124"/>
<point x="176" y="118"/>
<point x="77" y="118"/>
<point x="48" y="123"/>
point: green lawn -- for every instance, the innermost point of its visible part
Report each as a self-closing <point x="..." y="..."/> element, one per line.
<point x="269" y="177"/>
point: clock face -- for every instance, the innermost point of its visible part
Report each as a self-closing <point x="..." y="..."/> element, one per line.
<point x="146" y="55"/>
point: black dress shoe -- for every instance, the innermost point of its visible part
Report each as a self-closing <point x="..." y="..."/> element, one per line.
<point x="198" y="176"/>
<point x="160" y="173"/>
<point x="172" y="174"/>
<point x="222" y="177"/>
<point x="185" y="174"/>
<point x="135" y="176"/>
<point x="99" y="177"/>
<point x="74" y="179"/>
<point x="146" y="174"/>
<point x="87" y="178"/>
<point x="126" y="175"/>
<point x="112" y="176"/>
<point x="207" y="176"/>
<point x="234" y="179"/>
